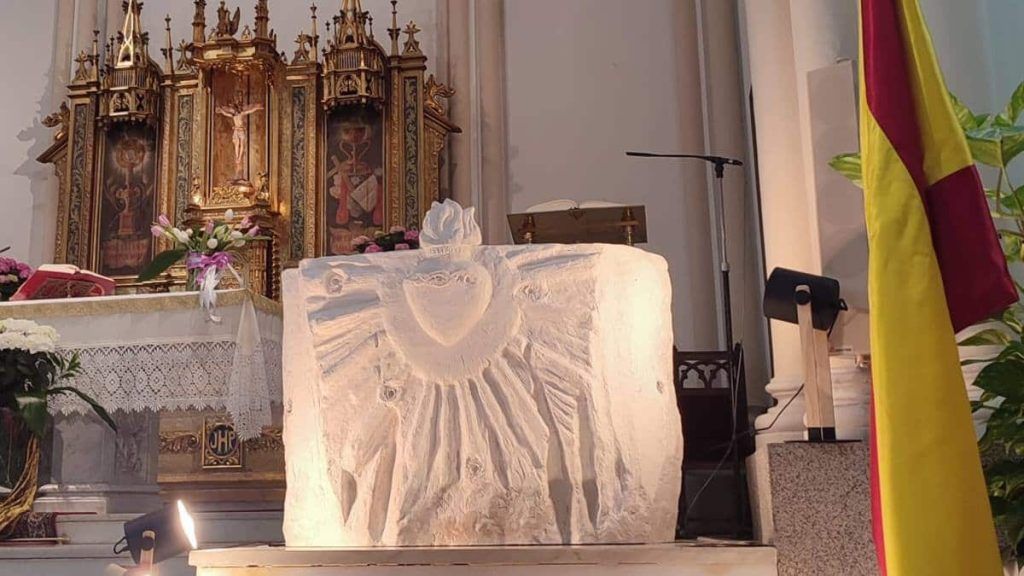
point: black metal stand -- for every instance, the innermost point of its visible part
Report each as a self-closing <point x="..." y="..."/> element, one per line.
<point x="731" y="359"/>
<point x="719" y="162"/>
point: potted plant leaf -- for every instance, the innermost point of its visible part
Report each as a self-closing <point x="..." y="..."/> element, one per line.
<point x="996" y="140"/>
<point x="32" y="371"/>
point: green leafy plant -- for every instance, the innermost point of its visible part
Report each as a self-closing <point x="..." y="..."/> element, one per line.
<point x="33" y="371"/>
<point x="996" y="140"/>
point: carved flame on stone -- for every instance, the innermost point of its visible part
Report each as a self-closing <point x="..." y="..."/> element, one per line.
<point x="449" y="224"/>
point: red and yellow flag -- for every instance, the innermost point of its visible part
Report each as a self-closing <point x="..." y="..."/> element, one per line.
<point x="936" y="267"/>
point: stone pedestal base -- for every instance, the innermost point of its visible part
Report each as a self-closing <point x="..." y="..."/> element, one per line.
<point x="655" y="560"/>
<point x="98" y="499"/>
<point x="813" y="503"/>
<point x="93" y="469"/>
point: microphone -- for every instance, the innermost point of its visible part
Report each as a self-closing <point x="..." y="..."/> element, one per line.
<point x="721" y="160"/>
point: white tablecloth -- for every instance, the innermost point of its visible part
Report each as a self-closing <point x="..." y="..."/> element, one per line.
<point x="161" y="352"/>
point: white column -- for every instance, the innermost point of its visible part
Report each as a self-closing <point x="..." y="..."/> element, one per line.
<point x="461" y="66"/>
<point x="805" y="110"/>
<point x="63" y="51"/>
<point x="725" y="132"/>
<point x="86" y="23"/>
<point x="476" y="67"/>
<point x="697" y="283"/>
<point x="789" y="236"/>
<point x="490" y="40"/>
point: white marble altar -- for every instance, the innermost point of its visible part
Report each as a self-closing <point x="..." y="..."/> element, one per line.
<point x="162" y="352"/>
<point x="475" y="395"/>
<point x="142" y="354"/>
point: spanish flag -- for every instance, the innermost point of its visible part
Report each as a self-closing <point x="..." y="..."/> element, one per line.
<point x="936" y="267"/>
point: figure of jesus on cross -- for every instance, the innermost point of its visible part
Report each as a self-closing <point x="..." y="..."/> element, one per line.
<point x="237" y="112"/>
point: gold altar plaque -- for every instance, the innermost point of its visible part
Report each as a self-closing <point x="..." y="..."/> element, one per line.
<point x="185" y="450"/>
<point x="221" y="446"/>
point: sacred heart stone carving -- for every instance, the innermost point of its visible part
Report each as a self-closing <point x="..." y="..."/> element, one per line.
<point x="448" y="303"/>
<point x="467" y="395"/>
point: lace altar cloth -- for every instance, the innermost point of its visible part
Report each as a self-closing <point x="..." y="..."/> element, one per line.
<point x="160" y="352"/>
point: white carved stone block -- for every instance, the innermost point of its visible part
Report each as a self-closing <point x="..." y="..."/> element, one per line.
<point x="472" y="395"/>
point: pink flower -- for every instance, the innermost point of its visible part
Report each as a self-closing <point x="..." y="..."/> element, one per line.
<point x="373" y="249"/>
<point x="164" y="221"/>
<point x="209" y="228"/>
<point x="402" y="247"/>
<point x="360" y="240"/>
<point x="246" y="222"/>
<point x="412" y="236"/>
<point x="14" y="270"/>
<point x="157" y="231"/>
<point x="253" y="232"/>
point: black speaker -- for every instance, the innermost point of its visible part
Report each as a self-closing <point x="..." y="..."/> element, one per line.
<point x="780" y="297"/>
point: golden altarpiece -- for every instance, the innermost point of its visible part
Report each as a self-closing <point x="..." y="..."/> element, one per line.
<point x="340" y="139"/>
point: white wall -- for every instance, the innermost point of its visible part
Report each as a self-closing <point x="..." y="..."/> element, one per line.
<point x="1006" y="46"/>
<point x="26" y="187"/>
<point x="589" y="80"/>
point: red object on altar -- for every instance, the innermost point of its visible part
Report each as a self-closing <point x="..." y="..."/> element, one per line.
<point x="63" y="281"/>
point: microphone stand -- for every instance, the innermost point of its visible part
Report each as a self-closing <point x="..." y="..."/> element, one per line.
<point x="733" y="354"/>
<point x="719" y="162"/>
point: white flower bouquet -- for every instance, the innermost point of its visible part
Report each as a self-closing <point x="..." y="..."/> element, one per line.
<point x="207" y="252"/>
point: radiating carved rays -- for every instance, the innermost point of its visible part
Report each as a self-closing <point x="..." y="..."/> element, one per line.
<point x="521" y="427"/>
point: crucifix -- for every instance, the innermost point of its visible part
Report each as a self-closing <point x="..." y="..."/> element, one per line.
<point x="237" y="112"/>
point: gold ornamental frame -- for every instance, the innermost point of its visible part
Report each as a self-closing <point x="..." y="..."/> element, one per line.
<point x="286" y="189"/>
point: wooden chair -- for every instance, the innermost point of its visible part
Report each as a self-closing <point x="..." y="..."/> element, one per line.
<point x="712" y="399"/>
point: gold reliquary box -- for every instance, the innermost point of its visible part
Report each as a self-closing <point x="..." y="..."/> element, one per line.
<point x="344" y="138"/>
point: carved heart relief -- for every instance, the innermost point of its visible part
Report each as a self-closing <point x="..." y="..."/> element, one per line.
<point x="449" y="303"/>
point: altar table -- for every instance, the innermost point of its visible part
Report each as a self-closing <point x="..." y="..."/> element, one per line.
<point x="162" y="352"/>
<point x="143" y="355"/>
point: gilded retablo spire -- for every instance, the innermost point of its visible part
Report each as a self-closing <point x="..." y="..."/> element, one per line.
<point x="353" y="61"/>
<point x="262" y="19"/>
<point x="130" y="86"/>
<point x="134" y="46"/>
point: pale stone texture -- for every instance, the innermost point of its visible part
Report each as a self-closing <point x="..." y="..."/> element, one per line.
<point x="644" y="560"/>
<point x="818" y="500"/>
<point x="467" y="395"/>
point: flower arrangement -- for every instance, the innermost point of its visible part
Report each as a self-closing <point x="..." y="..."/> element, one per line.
<point x="12" y="275"/>
<point x="31" y="372"/>
<point x="398" y="239"/>
<point x="206" y="251"/>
